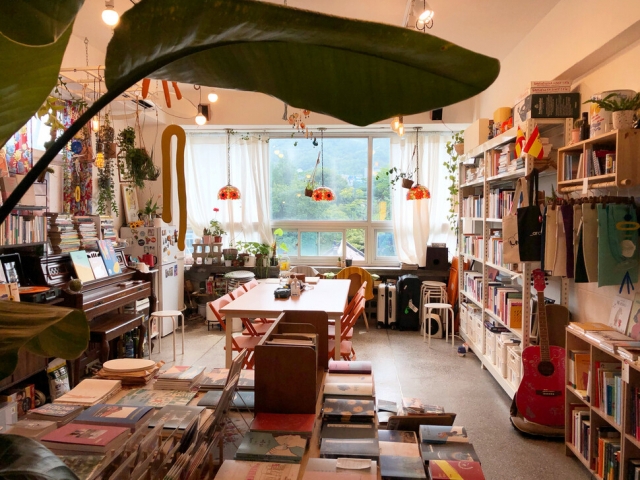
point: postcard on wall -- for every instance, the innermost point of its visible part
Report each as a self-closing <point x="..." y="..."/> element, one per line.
<point x="633" y="327"/>
<point x="619" y="316"/>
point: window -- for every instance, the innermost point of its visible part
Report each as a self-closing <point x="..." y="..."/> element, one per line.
<point x="357" y="224"/>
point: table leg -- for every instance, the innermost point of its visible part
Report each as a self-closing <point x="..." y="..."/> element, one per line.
<point x="174" y="320"/>
<point x="229" y="345"/>
<point x="338" y="331"/>
<point x="429" y="323"/>
<point x="182" y="333"/>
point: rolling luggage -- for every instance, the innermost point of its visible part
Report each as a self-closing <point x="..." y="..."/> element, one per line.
<point x="386" y="312"/>
<point x="408" y="303"/>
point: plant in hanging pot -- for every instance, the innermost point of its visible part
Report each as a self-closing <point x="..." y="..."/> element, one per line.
<point x="623" y="108"/>
<point x="451" y="164"/>
<point x="457" y="144"/>
<point x="397" y="176"/>
<point x="311" y="181"/>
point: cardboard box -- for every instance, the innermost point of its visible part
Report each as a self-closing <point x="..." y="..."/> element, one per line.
<point x="476" y="134"/>
<point x="552" y="105"/>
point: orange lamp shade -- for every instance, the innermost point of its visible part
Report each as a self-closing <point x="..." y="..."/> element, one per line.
<point x="418" y="192"/>
<point x="229" y="192"/>
<point x="323" y="194"/>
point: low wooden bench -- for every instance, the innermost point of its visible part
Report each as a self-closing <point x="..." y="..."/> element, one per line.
<point x="113" y="326"/>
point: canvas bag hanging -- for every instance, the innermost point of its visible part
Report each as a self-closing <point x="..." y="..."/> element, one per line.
<point x="530" y="224"/>
<point x="511" y="252"/>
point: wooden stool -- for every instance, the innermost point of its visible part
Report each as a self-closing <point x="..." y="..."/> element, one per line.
<point x="427" y="319"/>
<point x="173" y="314"/>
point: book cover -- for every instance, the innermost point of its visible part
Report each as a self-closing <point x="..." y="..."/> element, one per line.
<point x="633" y="327"/>
<point x="283" y="424"/>
<point x="83" y="437"/>
<point x="340" y="430"/>
<point x="98" y="267"/>
<point x="90" y="391"/>
<point x="181" y="372"/>
<point x="415" y="405"/>
<point x="399" y="449"/>
<point x="108" y="254"/>
<point x="396" y="467"/>
<point x="84" y="466"/>
<point x="55" y="410"/>
<point x="399" y="436"/>
<point x="349" y="389"/>
<point x="608" y="336"/>
<point x="357" y="448"/>
<point x="343" y="469"/>
<point x="356" y="367"/>
<point x="446" y="470"/>
<point x="241" y="400"/>
<point x="82" y="266"/>
<point x="156" y="398"/>
<point x="277" y="448"/>
<point x="176" y="417"/>
<point x="448" y="451"/>
<point x="35" y="429"/>
<point x="115" y="415"/>
<point x="338" y="378"/>
<point x="443" y="434"/>
<point x="584" y="327"/>
<point x="619" y="316"/>
<point x="238" y="470"/>
<point x="217" y="379"/>
<point x="387" y="406"/>
<point x="348" y="410"/>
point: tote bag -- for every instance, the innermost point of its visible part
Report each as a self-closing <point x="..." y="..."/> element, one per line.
<point x="510" y="250"/>
<point x="530" y="224"/>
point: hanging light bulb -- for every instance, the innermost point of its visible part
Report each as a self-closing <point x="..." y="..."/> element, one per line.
<point x="322" y="193"/>
<point x="213" y="97"/>
<point x="229" y="192"/>
<point x="425" y="19"/>
<point x="200" y="118"/>
<point x="418" y="192"/>
<point x="109" y="14"/>
<point x="100" y="160"/>
<point x="395" y="123"/>
<point x="95" y="124"/>
<point x="400" y="130"/>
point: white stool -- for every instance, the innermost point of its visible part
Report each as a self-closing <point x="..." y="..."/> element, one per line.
<point x="430" y="292"/>
<point x="173" y="314"/>
<point x="446" y="308"/>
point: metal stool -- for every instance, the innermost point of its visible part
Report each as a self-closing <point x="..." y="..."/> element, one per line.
<point x="431" y="291"/>
<point x="447" y="309"/>
<point x="173" y="314"/>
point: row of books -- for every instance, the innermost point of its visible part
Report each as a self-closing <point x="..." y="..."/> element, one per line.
<point x="593" y="162"/>
<point x="95" y="265"/>
<point x="474" y="173"/>
<point x="107" y="228"/>
<point x="473" y="285"/>
<point x="495" y="249"/>
<point x="62" y="234"/>
<point x="608" y="453"/>
<point x="503" y="159"/>
<point x="87" y="231"/>
<point x="472" y="206"/>
<point x="505" y="301"/>
<point x="473" y="245"/>
<point x="580" y="428"/>
<point x="578" y="371"/>
<point x="608" y="389"/>
<point x="19" y="229"/>
<point x="500" y="201"/>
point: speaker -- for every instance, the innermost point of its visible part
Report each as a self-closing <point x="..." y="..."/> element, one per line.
<point x="437" y="258"/>
<point x="436" y="114"/>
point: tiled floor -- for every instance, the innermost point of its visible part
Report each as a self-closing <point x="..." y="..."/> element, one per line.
<point x="404" y="366"/>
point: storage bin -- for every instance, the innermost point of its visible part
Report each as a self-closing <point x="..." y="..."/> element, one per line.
<point x="463" y="317"/>
<point x="490" y="345"/>
<point x="514" y="365"/>
<point x="503" y="341"/>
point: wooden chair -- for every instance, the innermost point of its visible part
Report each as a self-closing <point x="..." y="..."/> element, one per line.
<point x="346" y="346"/>
<point x="358" y="276"/>
<point x="238" y="343"/>
<point x="350" y="307"/>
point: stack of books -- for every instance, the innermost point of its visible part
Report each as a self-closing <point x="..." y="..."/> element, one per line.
<point x="284" y="423"/>
<point x="61" y="414"/>
<point x="90" y="392"/>
<point x="269" y="447"/>
<point x="87" y="232"/>
<point x="156" y="398"/>
<point x="338" y="385"/>
<point x="130" y="371"/>
<point x="179" y="377"/>
<point x="415" y="406"/>
<point x="447" y="448"/>
<point x="115" y="416"/>
<point x="233" y="470"/>
<point x="35" y="429"/>
<point x="348" y="430"/>
<point x="400" y="455"/>
<point x="176" y="419"/>
<point x="107" y="228"/>
<point x="216" y="379"/>
<point x="329" y="468"/>
<point x="79" y="438"/>
<point x="61" y="233"/>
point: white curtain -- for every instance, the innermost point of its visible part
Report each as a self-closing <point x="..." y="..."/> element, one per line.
<point x="206" y="172"/>
<point x="417" y="223"/>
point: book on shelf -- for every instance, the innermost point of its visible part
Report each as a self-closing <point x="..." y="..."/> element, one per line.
<point x="115" y="415"/>
<point x="178" y="418"/>
<point x="178" y="377"/>
<point x="579" y="413"/>
<point x="90" y="392"/>
<point x="350" y="448"/>
<point x="608" y="448"/>
<point x="443" y="434"/>
<point x="607" y="340"/>
<point x="341" y="469"/>
<point x="78" y="437"/>
<point x="584" y="327"/>
<point x="61" y="414"/>
<point x="394" y="467"/>
<point x="262" y="446"/>
<point x="608" y="389"/>
<point x="444" y="469"/>
<point x="578" y="366"/>
<point x="35" y="429"/>
<point x="630" y="353"/>
<point x="448" y="451"/>
<point x="348" y="410"/>
<point x="143" y="397"/>
<point x="284" y="424"/>
<point x="244" y="400"/>
<point x="239" y="470"/>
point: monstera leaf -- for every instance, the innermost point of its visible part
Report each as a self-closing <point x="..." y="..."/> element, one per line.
<point x="44" y="330"/>
<point x="359" y="72"/>
<point x="33" y="37"/>
<point x="26" y="459"/>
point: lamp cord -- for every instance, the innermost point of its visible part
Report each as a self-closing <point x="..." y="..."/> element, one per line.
<point x="322" y="153"/>
<point x="228" y="157"/>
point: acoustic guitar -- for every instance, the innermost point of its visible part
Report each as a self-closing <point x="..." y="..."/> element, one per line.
<point x="540" y="396"/>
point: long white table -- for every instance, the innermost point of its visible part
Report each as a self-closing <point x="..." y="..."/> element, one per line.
<point x="327" y="296"/>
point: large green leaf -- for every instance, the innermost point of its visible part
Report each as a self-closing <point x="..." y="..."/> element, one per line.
<point x="44" y="330"/>
<point x="28" y="73"/>
<point x="22" y="458"/>
<point x="360" y="72"/>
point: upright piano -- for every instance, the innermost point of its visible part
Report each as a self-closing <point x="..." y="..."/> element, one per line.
<point x="99" y="299"/>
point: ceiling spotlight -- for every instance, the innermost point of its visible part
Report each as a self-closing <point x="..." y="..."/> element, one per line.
<point x="213" y="97"/>
<point x="425" y="19"/>
<point x="109" y="14"/>
<point x="200" y="117"/>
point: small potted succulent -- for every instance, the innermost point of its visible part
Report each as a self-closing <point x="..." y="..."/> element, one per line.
<point x="575" y="132"/>
<point x="623" y="108"/>
<point x="206" y="236"/>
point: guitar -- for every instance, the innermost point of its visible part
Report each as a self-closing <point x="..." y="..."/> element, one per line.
<point x="540" y="396"/>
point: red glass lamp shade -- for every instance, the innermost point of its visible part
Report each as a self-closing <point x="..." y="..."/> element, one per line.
<point x="323" y="194"/>
<point x="229" y="192"/>
<point x="418" y="192"/>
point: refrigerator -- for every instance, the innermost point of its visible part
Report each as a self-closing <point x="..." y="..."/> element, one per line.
<point x="162" y="243"/>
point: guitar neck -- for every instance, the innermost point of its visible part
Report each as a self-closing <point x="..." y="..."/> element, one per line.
<point x="545" y="354"/>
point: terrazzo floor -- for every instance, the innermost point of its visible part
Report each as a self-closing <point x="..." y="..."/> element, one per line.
<point x="404" y="366"/>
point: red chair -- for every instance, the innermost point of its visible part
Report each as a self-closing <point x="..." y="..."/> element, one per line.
<point x="346" y="346"/>
<point x="251" y="329"/>
<point x="249" y="285"/>
<point x="238" y="343"/>
<point x="350" y="307"/>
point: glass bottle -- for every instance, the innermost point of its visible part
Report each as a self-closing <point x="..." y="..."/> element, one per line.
<point x="584" y="129"/>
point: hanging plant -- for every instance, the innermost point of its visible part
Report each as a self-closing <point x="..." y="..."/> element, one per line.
<point x="107" y="203"/>
<point x="451" y="164"/>
<point x="135" y="161"/>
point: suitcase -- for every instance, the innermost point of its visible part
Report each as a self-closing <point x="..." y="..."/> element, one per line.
<point x="386" y="305"/>
<point x="408" y="302"/>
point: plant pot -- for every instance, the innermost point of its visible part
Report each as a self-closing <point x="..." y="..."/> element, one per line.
<point x="348" y="262"/>
<point x="622" y="119"/>
<point x="217" y="239"/>
<point x="227" y="263"/>
<point x="250" y="261"/>
<point x="157" y="222"/>
<point x="575" y="135"/>
<point x="407" y="183"/>
<point x="208" y="261"/>
<point x="206" y="239"/>
<point x="308" y="192"/>
<point x="459" y="148"/>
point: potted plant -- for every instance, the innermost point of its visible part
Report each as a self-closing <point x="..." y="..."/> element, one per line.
<point x="457" y="141"/>
<point x="278" y="232"/>
<point x="135" y="161"/>
<point x="451" y="164"/>
<point x="308" y="189"/>
<point x="228" y="259"/>
<point x="623" y="108"/>
<point x="206" y="236"/>
<point x="575" y="132"/>
<point x="150" y="210"/>
<point x="216" y="229"/>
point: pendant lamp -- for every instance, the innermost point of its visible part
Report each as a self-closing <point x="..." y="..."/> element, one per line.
<point x="418" y="192"/>
<point x="322" y="193"/>
<point x="229" y="192"/>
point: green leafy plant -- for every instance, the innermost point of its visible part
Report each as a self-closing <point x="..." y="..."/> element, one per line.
<point x="451" y="165"/>
<point x="616" y="103"/>
<point x="395" y="175"/>
<point x="106" y="189"/>
<point x="151" y="206"/>
<point x="216" y="228"/>
<point x="254" y="248"/>
<point x="135" y="161"/>
<point x="283" y="246"/>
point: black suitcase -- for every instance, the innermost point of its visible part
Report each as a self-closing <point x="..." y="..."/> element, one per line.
<point x="408" y="302"/>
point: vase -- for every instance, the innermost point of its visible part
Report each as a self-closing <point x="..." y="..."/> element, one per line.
<point x="459" y="148"/>
<point x="575" y="135"/>
<point x="622" y="119"/>
<point x="217" y="239"/>
<point x="348" y="262"/>
<point x="208" y="261"/>
<point x="407" y="183"/>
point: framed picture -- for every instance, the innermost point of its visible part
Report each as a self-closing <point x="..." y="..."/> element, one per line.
<point x="123" y="172"/>
<point x="130" y="202"/>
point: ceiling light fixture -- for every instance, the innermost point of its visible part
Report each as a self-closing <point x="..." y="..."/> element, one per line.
<point x="229" y="192"/>
<point x="397" y="125"/>
<point x="322" y="193"/>
<point x="203" y="110"/>
<point x="425" y="19"/>
<point x="109" y="14"/>
<point x="418" y="192"/>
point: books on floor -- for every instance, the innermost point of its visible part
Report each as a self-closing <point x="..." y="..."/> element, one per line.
<point x="142" y="397"/>
<point x="237" y="470"/>
<point x="35" y="429"/>
<point x="359" y="367"/>
<point x="448" y="451"/>
<point x="176" y="417"/>
<point x="348" y="410"/>
<point x="61" y="414"/>
<point x="79" y="437"/>
<point x="415" y="406"/>
<point x="344" y="468"/>
<point x="350" y="448"/>
<point x="444" y="469"/>
<point x="241" y="400"/>
<point x="443" y="434"/>
<point x="353" y="431"/>
<point x="398" y="443"/>
<point x="401" y="467"/>
<point x="284" y="423"/>
<point x="262" y="446"/>
<point x="115" y="415"/>
<point x="216" y="379"/>
<point x="90" y="392"/>
<point x="178" y="377"/>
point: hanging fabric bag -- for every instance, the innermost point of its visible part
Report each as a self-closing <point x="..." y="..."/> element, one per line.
<point x="530" y="224"/>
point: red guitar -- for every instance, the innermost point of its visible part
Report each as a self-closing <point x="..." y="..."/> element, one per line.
<point x="540" y="396"/>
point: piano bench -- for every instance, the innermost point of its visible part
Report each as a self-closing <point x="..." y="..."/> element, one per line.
<point x="113" y="326"/>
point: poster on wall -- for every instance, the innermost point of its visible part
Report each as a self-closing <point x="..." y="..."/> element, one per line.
<point x="16" y="155"/>
<point x="130" y="203"/>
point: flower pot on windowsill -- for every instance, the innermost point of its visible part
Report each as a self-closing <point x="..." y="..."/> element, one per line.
<point x="407" y="183"/>
<point x="217" y="239"/>
<point x="622" y="119"/>
<point x="348" y="262"/>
